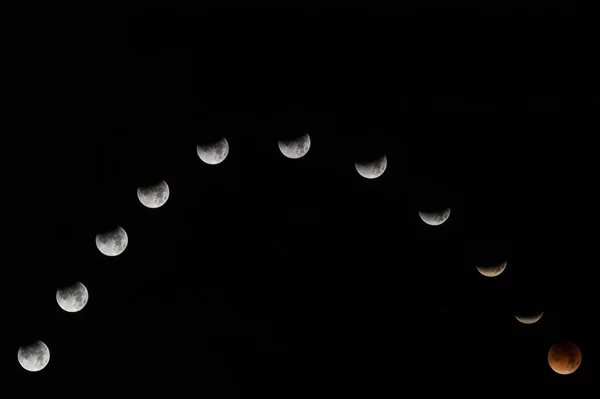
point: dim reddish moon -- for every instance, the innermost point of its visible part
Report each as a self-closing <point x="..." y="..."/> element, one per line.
<point x="564" y="358"/>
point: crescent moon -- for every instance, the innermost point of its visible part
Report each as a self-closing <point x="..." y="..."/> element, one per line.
<point x="154" y="196"/>
<point x="34" y="357"/>
<point x="492" y="271"/>
<point x="72" y="298"/>
<point x="372" y="169"/>
<point x="113" y="242"/>
<point x="295" y="148"/>
<point x="213" y="153"/>
<point x="435" y="218"/>
<point x="529" y="318"/>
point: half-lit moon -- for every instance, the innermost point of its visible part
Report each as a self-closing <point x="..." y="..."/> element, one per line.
<point x="213" y="153"/>
<point x="492" y="270"/>
<point x="372" y="169"/>
<point x="113" y="242"/>
<point x="34" y="357"/>
<point x="154" y="196"/>
<point x="295" y="148"/>
<point x="435" y="218"/>
<point x="529" y="317"/>
<point x="72" y="298"/>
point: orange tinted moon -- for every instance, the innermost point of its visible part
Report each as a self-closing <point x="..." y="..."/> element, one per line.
<point x="564" y="358"/>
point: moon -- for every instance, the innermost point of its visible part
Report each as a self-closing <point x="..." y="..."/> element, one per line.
<point x="213" y="153"/>
<point x="112" y="242"/>
<point x="34" y="357"/>
<point x="492" y="270"/>
<point x="435" y="218"/>
<point x="72" y="298"/>
<point x="529" y="317"/>
<point x="564" y="358"/>
<point x="154" y="196"/>
<point x="295" y="148"/>
<point x="372" y="169"/>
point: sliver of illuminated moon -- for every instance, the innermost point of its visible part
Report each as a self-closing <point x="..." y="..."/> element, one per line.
<point x="435" y="218"/>
<point x="564" y="358"/>
<point x="154" y="196"/>
<point x="529" y="317"/>
<point x="372" y="169"/>
<point x="72" y="298"/>
<point x="295" y="148"/>
<point x="112" y="242"/>
<point x="213" y="153"/>
<point x="491" y="270"/>
<point x="34" y="357"/>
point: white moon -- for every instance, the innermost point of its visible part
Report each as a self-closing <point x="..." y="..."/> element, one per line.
<point x="529" y="318"/>
<point x="113" y="242"/>
<point x="373" y="169"/>
<point x="72" y="298"/>
<point x="34" y="357"/>
<point x="435" y="218"/>
<point x="296" y="148"/>
<point x="154" y="196"/>
<point x="213" y="153"/>
<point x="492" y="271"/>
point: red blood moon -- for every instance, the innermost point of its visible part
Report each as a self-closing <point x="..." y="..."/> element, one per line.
<point x="564" y="358"/>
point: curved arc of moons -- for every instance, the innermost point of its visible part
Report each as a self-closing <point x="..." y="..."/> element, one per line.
<point x="34" y="357"/>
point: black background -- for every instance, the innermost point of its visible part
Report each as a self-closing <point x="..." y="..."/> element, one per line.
<point x="264" y="275"/>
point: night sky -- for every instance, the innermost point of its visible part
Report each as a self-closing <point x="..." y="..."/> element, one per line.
<point x="264" y="275"/>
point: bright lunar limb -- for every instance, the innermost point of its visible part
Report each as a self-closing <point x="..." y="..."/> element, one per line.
<point x="493" y="270"/>
<point x="564" y="358"/>
<point x="372" y="169"/>
<point x="72" y="298"/>
<point x="435" y="218"/>
<point x="154" y="196"/>
<point x="34" y="357"/>
<point x="295" y="148"/>
<point x="113" y="242"/>
<point x="529" y="317"/>
<point x="213" y="153"/>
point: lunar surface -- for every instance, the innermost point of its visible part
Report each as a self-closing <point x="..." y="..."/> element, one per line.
<point x="435" y="218"/>
<point x="492" y="270"/>
<point x="34" y="357"/>
<point x="113" y="242"/>
<point x="529" y="317"/>
<point x="564" y="358"/>
<point x="296" y="148"/>
<point x="213" y="153"/>
<point x="373" y="169"/>
<point x="154" y="196"/>
<point x="72" y="298"/>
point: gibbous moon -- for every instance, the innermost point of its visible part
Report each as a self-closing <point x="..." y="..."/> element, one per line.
<point x="154" y="196"/>
<point x="34" y="357"/>
<point x="213" y="153"/>
<point x="112" y="242"/>
<point x="373" y="169"/>
<point x="435" y="218"/>
<point x="529" y="317"/>
<point x="492" y="270"/>
<point x="564" y="358"/>
<point x="72" y="298"/>
<point x="295" y="148"/>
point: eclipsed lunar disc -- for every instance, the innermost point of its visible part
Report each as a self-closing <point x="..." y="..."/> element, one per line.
<point x="34" y="357"/>
<point x="72" y="298"/>
<point x="491" y="270"/>
<point x="213" y="153"/>
<point x="435" y="218"/>
<point x="295" y="148"/>
<point x="529" y="317"/>
<point x="372" y="169"/>
<point x="564" y="358"/>
<point x="113" y="242"/>
<point x="154" y="196"/>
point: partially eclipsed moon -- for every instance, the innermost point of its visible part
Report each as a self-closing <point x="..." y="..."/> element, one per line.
<point x="295" y="148"/>
<point x="435" y="218"/>
<point x="373" y="169"/>
<point x="113" y="242"/>
<point x="492" y="270"/>
<point x="213" y="153"/>
<point x="72" y="298"/>
<point x="564" y="358"/>
<point x="529" y="317"/>
<point x="34" y="357"/>
<point x="154" y="196"/>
